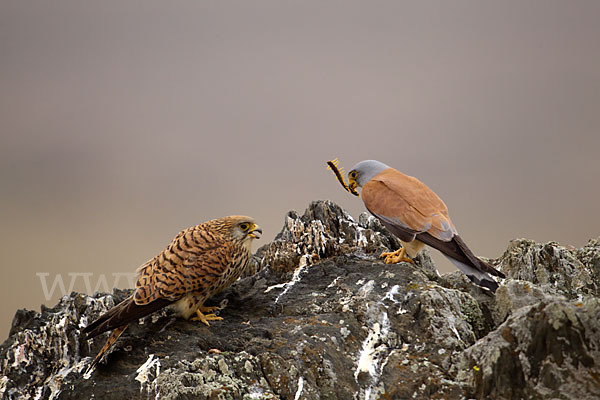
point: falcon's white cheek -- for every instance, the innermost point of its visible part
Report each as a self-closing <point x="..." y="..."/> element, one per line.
<point x="238" y="234"/>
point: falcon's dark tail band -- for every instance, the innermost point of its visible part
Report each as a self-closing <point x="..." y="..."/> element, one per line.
<point x="122" y="314"/>
<point x="111" y="340"/>
<point x="117" y="319"/>
<point x="457" y="251"/>
<point x="475" y="275"/>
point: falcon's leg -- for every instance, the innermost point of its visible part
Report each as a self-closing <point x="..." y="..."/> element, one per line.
<point x="204" y="318"/>
<point x="396" y="256"/>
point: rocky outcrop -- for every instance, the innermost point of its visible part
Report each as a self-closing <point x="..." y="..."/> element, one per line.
<point x="547" y="350"/>
<point x="319" y="316"/>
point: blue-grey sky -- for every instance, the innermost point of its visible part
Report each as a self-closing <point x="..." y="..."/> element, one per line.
<point x="123" y="122"/>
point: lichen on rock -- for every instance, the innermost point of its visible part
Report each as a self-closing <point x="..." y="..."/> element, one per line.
<point x="550" y="266"/>
<point x="323" y="231"/>
<point x="546" y="350"/>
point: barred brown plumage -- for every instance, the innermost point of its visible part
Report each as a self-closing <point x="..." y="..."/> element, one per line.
<point x="200" y="262"/>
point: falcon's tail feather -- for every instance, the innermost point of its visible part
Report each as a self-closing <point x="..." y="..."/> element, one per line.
<point x="460" y="255"/>
<point x="123" y="313"/>
<point x="109" y="342"/>
<point x="477" y="276"/>
<point x="476" y="260"/>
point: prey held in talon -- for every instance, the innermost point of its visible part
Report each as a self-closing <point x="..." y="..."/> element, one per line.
<point x="200" y="262"/>
<point x="413" y="213"/>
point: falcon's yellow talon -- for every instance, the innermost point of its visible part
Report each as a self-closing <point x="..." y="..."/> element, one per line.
<point x="395" y="257"/>
<point x="204" y="318"/>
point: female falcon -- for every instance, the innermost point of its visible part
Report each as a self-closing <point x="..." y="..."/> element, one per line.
<point x="200" y="262"/>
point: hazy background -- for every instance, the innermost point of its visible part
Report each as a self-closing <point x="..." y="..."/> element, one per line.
<point x="124" y="122"/>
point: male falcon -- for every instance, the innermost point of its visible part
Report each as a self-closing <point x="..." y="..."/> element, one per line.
<point x="200" y="262"/>
<point x="417" y="216"/>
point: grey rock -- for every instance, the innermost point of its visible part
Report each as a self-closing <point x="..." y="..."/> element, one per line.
<point x="322" y="317"/>
<point x="589" y="255"/>
<point x="551" y="266"/>
<point x="545" y="351"/>
<point x="516" y="294"/>
<point x="324" y="230"/>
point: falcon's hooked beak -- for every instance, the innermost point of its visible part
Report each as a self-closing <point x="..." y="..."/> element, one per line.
<point x="352" y="184"/>
<point x="255" y="231"/>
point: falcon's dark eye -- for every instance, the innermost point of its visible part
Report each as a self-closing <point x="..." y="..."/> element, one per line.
<point x="352" y="174"/>
<point x="244" y="226"/>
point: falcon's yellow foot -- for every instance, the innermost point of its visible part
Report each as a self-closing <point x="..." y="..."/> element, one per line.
<point x="204" y="318"/>
<point x="395" y="257"/>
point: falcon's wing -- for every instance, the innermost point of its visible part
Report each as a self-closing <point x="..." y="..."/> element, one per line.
<point x="407" y="206"/>
<point x="410" y="210"/>
<point x="189" y="264"/>
<point x="195" y="257"/>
